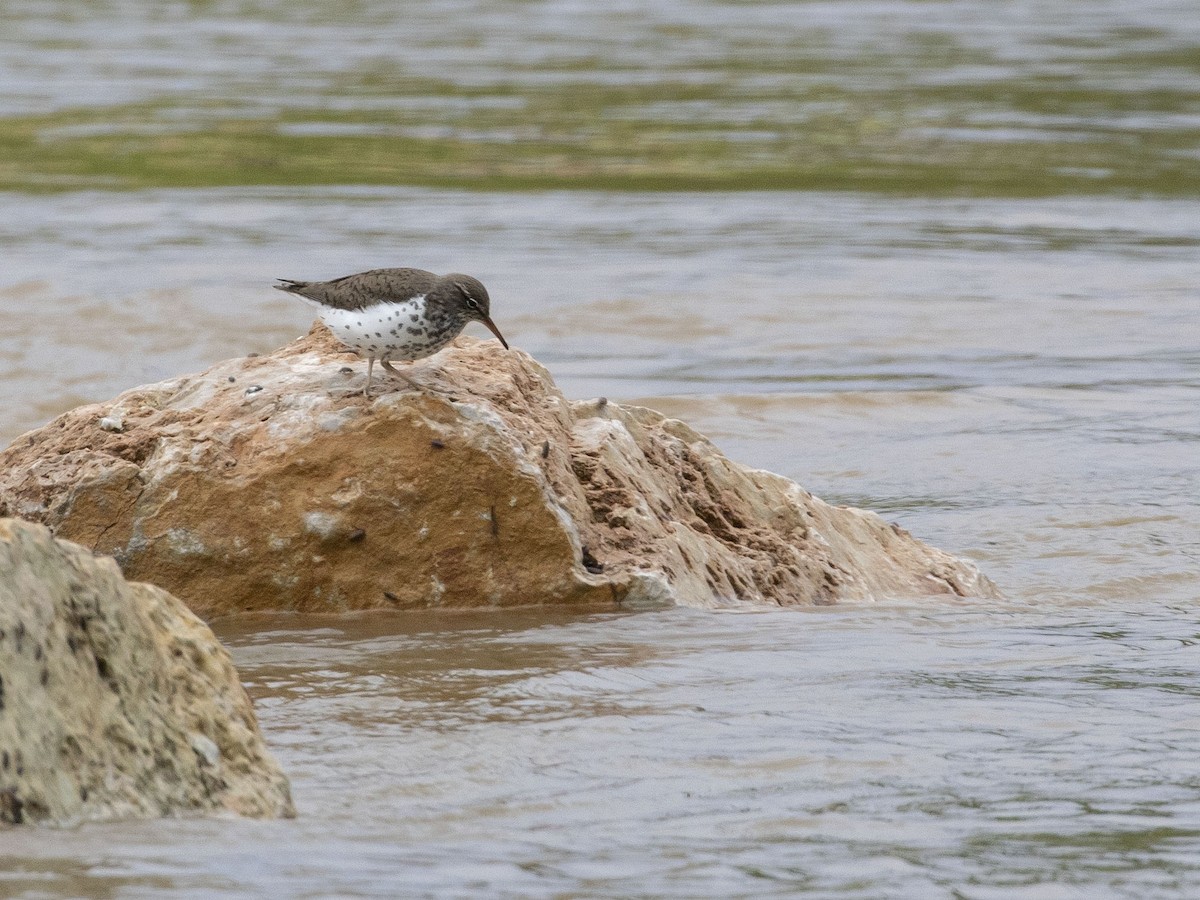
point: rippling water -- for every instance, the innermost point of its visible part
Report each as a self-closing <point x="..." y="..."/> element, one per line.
<point x="1014" y="378"/>
<point x="890" y="751"/>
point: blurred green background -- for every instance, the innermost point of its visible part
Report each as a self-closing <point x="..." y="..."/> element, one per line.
<point x="920" y="98"/>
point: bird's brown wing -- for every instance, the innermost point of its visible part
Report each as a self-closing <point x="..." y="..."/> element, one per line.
<point x="364" y="289"/>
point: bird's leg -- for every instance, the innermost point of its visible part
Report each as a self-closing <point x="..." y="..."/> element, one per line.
<point x="370" y="366"/>
<point x="387" y="364"/>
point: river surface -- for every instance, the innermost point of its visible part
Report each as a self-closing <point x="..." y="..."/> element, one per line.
<point x="1012" y="375"/>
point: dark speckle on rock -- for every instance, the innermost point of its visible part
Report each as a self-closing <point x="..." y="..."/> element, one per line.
<point x="356" y="535"/>
<point x="346" y="370"/>
<point x="437" y="445"/>
<point x="11" y="807"/>
<point x="590" y="563"/>
<point x="254" y="389"/>
<point x="232" y="379"/>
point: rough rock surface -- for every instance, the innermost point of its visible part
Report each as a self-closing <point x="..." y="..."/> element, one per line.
<point x="116" y="701"/>
<point x="271" y="483"/>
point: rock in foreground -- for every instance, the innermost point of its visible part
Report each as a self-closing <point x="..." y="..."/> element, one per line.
<point x="270" y="483"/>
<point x="115" y="700"/>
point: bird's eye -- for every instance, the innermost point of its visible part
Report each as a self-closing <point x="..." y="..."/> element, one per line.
<point x="471" y="302"/>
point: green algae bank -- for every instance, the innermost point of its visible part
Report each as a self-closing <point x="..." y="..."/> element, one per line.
<point x="936" y="260"/>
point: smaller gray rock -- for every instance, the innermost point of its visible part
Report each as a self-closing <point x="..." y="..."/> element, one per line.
<point x="115" y="700"/>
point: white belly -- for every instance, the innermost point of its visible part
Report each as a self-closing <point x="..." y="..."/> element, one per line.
<point x="387" y="331"/>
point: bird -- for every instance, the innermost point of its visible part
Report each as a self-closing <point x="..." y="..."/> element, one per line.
<point x="401" y="314"/>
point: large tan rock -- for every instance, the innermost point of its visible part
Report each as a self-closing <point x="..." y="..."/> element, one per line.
<point x="271" y="483"/>
<point x="115" y="700"/>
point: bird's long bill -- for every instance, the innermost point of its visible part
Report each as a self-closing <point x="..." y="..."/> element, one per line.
<point x="487" y="320"/>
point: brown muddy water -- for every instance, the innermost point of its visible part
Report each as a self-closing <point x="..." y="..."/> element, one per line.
<point x="1015" y="378"/>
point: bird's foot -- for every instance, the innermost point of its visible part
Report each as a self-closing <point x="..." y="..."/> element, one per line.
<point x="403" y="376"/>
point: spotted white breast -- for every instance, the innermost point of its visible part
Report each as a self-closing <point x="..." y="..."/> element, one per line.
<point x="387" y="331"/>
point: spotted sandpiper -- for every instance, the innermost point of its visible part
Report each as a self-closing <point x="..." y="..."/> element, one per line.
<point x="403" y="314"/>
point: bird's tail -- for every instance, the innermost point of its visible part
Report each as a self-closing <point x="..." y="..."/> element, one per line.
<point x="301" y="289"/>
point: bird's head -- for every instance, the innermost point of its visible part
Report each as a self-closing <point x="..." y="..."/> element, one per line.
<point x="469" y="298"/>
